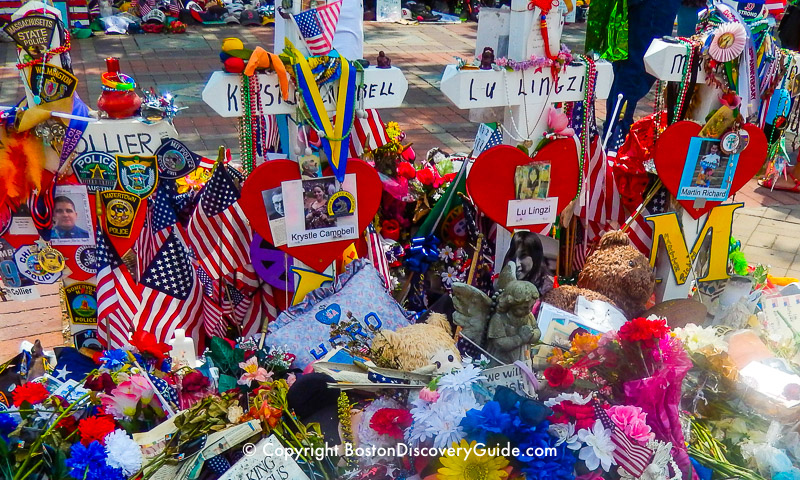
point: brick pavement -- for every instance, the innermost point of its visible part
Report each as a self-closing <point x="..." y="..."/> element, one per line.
<point x="181" y="64"/>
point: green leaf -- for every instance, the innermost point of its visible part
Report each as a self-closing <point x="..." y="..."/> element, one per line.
<point x="227" y="382"/>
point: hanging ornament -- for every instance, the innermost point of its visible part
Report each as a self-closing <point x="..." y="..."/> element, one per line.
<point x="728" y="42"/>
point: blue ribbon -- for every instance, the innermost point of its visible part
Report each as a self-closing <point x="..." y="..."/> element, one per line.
<point x="423" y="252"/>
<point x="74" y="130"/>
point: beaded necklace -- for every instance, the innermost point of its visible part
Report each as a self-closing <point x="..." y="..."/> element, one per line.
<point x="686" y="82"/>
<point x="588" y="113"/>
<point x="246" y="127"/>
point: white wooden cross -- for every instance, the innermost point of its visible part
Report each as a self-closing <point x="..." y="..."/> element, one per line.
<point x="382" y="88"/>
<point x="523" y="95"/>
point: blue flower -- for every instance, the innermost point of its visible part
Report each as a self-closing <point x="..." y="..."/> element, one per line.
<point x="114" y="358"/>
<point x="491" y="419"/>
<point x="7" y="424"/>
<point x="87" y="461"/>
<point x="551" y="467"/>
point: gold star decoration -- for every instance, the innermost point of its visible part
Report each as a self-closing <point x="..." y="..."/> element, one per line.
<point x="97" y="172"/>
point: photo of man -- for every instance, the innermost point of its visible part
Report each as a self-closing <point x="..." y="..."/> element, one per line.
<point x="72" y="224"/>
<point x="707" y="171"/>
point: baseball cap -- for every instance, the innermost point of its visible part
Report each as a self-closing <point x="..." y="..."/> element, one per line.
<point x="249" y="17"/>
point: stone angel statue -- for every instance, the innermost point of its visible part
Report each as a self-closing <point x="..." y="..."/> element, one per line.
<point x="503" y="324"/>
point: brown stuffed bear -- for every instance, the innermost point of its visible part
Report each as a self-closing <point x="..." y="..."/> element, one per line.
<point x="414" y="346"/>
<point x="616" y="273"/>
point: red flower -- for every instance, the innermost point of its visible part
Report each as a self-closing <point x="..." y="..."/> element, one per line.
<point x="31" y="392"/>
<point x="390" y="229"/>
<point x="568" y="412"/>
<point x="68" y="425"/>
<point x="406" y="170"/>
<point x="147" y="343"/>
<point x="101" y="383"/>
<point x="195" y="382"/>
<point x="450" y="177"/>
<point x="96" y="428"/>
<point x="643" y="330"/>
<point x="558" y="376"/>
<point x="391" y="421"/>
<point x="425" y="176"/>
<point x="730" y="100"/>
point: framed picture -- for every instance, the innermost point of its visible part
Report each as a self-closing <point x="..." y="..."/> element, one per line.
<point x="532" y="181"/>
<point x="310" y="214"/>
<point x="276" y="214"/>
<point x="708" y="171"/>
<point x="72" y="216"/>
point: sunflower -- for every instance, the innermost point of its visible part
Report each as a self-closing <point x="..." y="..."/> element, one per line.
<point x="475" y="466"/>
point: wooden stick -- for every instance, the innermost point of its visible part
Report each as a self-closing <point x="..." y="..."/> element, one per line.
<point x="475" y="256"/>
<point x="639" y="210"/>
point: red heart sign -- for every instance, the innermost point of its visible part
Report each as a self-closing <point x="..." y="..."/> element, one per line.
<point x="491" y="180"/>
<point x="271" y="174"/>
<point x="673" y="146"/>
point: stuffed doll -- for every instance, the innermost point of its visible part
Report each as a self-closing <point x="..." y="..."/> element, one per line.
<point x="616" y="273"/>
<point x="422" y="346"/>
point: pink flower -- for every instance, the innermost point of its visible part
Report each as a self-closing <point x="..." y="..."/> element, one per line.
<point x="124" y="399"/>
<point x="632" y="420"/>
<point x="594" y="475"/>
<point x="253" y="372"/>
<point x="290" y="379"/>
<point x="558" y="122"/>
<point x="428" y="395"/>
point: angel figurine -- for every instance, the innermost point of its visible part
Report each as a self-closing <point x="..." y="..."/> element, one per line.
<point x="511" y="326"/>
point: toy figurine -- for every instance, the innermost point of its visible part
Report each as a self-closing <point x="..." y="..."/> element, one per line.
<point x="487" y="58"/>
<point x="383" y="61"/>
<point x="511" y="326"/>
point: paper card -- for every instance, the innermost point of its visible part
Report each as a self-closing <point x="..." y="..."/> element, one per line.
<point x="557" y="325"/>
<point x="778" y="312"/>
<point x="310" y="218"/>
<point x="276" y="214"/>
<point x="532" y="181"/>
<point x="535" y="256"/>
<point x="21" y="222"/>
<point x="21" y="294"/>
<point x="708" y="171"/>
<point x="599" y="313"/>
<point x="771" y="382"/>
<point x="264" y="464"/>
<point x="72" y="216"/>
<point x="531" y="212"/>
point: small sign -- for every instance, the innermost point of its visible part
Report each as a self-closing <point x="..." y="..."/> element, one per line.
<point x="138" y="174"/>
<point x="51" y="83"/>
<point x="263" y="462"/>
<point x="120" y="208"/>
<point x="96" y="170"/>
<point x="175" y="160"/>
<point x="307" y="218"/>
<point x="21" y="294"/>
<point x="485" y="132"/>
<point x="534" y="211"/>
<point x="82" y="303"/>
<point x="510" y="376"/>
<point x="33" y="33"/>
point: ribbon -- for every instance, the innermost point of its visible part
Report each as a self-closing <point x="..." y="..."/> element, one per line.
<point x="335" y="142"/>
<point x="74" y="130"/>
<point x="41" y="206"/>
<point x="423" y="252"/>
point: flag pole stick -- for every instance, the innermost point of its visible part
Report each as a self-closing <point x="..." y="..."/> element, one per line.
<point x="650" y="195"/>
<point x="614" y="120"/>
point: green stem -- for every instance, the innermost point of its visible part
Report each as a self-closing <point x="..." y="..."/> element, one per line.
<point x="33" y="469"/>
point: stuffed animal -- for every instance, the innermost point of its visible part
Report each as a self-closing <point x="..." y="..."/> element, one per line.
<point x="616" y="273"/>
<point x="419" y="345"/>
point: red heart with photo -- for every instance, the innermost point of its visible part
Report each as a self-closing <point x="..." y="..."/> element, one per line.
<point x="673" y="147"/>
<point x="271" y="174"/>
<point x="491" y="179"/>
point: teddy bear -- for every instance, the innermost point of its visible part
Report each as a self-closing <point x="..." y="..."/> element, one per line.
<point x="421" y="345"/>
<point x="616" y="273"/>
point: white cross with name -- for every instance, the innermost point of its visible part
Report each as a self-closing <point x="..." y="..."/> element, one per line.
<point x="523" y="95"/>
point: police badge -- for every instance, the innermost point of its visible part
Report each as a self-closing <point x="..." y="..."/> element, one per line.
<point x="33" y="33"/>
<point x="175" y="160"/>
<point x="137" y="174"/>
<point x="81" y="303"/>
<point x="96" y="170"/>
<point x="120" y="208"/>
<point x="51" y="83"/>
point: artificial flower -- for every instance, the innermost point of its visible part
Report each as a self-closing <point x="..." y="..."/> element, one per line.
<point x="730" y="100"/>
<point x="470" y="463"/>
<point x="290" y="379"/>
<point x="594" y="475"/>
<point x="599" y="447"/>
<point x="124" y="400"/>
<point x="584" y="343"/>
<point x="390" y="229"/>
<point x="147" y="343"/>
<point x="89" y="463"/>
<point x="253" y="372"/>
<point x="696" y="338"/>
<point x="573" y="397"/>
<point x="558" y="122"/>
<point x="428" y="395"/>
<point x="193" y="181"/>
<point x="461" y="380"/>
<point x="406" y="170"/>
<point x="565" y="434"/>
<point x="644" y="330"/>
<point x="68" y="425"/>
<point x="391" y="421"/>
<point x="123" y="453"/>
<point x="100" y="383"/>
<point x="632" y="420"/>
<point x="425" y="176"/>
<point x="95" y="428"/>
<point x="445" y="426"/>
<point x="558" y="376"/>
<point x="114" y="359"/>
<point x="235" y="413"/>
<point x="449" y="276"/>
<point x="8" y="424"/>
<point x="446" y="253"/>
<point x="31" y="392"/>
<point x="478" y="424"/>
<point x="566" y="412"/>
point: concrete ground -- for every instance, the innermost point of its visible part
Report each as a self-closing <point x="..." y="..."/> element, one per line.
<point x="768" y="226"/>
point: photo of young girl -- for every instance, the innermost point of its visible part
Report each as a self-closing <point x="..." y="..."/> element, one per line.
<point x="532" y="181"/>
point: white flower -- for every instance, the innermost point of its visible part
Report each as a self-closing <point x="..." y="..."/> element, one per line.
<point x="574" y="397"/>
<point x="123" y="452"/>
<point x="235" y="412"/>
<point x="599" y="447"/>
<point x="445" y="426"/>
<point x="565" y="433"/>
<point x="461" y="380"/>
<point x="446" y="252"/>
<point x="696" y="338"/>
<point x="449" y="276"/>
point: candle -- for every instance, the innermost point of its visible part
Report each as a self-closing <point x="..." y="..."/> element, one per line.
<point x="112" y="64"/>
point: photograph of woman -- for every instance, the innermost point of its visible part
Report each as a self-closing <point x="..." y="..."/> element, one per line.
<point x="532" y="181"/>
<point x="316" y="203"/>
<point x="528" y="254"/>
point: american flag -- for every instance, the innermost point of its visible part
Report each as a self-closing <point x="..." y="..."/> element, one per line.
<point x="628" y="454"/>
<point x="161" y="217"/>
<point x="377" y="256"/>
<point x="318" y="25"/>
<point x="175" y="7"/>
<point x="494" y="140"/>
<point x="776" y="8"/>
<point x="145" y="6"/>
<point x="118" y="296"/>
<point x="368" y="133"/>
<point x="641" y="231"/>
<point x="171" y="296"/>
<point x="267" y="129"/>
<point x="218" y="231"/>
<point x="214" y="323"/>
<point x="254" y="302"/>
<point x="600" y="205"/>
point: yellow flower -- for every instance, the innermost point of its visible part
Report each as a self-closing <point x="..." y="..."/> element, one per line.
<point x="584" y="343"/>
<point x="194" y="180"/>
<point x="470" y="463"/>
